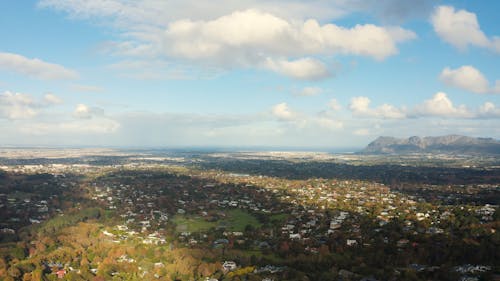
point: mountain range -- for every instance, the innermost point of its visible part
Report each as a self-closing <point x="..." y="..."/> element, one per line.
<point x="454" y="144"/>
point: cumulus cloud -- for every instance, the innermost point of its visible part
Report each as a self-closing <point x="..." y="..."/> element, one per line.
<point x="252" y="33"/>
<point x="489" y="110"/>
<point x="359" y="104"/>
<point x="283" y="112"/>
<point x="461" y="29"/>
<point x="22" y="108"/>
<point x="52" y="99"/>
<point x="438" y="106"/>
<point x="35" y="68"/>
<point x="360" y="107"/>
<point x="282" y="36"/>
<point x="468" y="78"/>
<point x="328" y="123"/>
<point x="304" y="69"/>
<point x="83" y="111"/>
<point x="334" y="105"/>
<point x="441" y="106"/>
<point x="301" y="121"/>
<point x="16" y="106"/>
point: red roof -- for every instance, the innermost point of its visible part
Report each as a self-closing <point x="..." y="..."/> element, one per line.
<point x="61" y="273"/>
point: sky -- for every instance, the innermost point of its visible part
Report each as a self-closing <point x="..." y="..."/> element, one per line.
<point x="317" y="74"/>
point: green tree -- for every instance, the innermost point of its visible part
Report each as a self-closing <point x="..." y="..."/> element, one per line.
<point x="37" y="274"/>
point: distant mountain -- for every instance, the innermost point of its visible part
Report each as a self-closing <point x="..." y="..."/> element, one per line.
<point x="444" y="144"/>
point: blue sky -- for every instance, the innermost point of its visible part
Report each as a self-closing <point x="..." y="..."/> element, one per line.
<point x="311" y="74"/>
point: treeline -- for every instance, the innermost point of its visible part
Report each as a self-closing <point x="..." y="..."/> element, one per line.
<point x="387" y="174"/>
<point x="54" y="225"/>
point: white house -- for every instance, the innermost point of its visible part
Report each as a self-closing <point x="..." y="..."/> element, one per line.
<point x="229" y="265"/>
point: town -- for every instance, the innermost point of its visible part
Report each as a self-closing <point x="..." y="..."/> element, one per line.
<point x="191" y="216"/>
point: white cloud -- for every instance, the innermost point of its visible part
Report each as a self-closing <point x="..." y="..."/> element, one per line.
<point x="303" y="122"/>
<point x="35" y="67"/>
<point x="359" y="104"/>
<point x="52" y="99"/>
<point x="283" y="36"/>
<point x="283" y="112"/>
<point x="390" y="112"/>
<point x="83" y="111"/>
<point x="461" y="29"/>
<point x="309" y="91"/>
<point x="16" y="106"/>
<point x="360" y="107"/>
<point x="489" y="110"/>
<point x="304" y="69"/>
<point x="441" y="106"/>
<point x="468" y="78"/>
<point x="328" y="123"/>
<point x="155" y="129"/>
<point x="334" y="105"/>
<point x="251" y="34"/>
<point x="89" y="120"/>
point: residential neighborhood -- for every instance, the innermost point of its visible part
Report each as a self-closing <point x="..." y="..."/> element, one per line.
<point x="159" y="221"/>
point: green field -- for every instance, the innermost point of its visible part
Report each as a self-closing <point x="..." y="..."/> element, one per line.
<point x="279" y="218"/>
<point x="235" y="220"/>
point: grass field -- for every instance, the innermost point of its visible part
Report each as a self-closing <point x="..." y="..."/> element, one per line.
<point x="235" y="220"/>
<point x="279" y="218"/>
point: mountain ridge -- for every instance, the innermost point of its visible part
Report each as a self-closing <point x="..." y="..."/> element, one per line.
<point x="454" y="144"/>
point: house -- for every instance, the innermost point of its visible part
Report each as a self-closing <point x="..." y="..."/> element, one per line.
<point x="351" y="242"/>
<point x="229" y="265"/>
<point x="109" y="234"/>
<point x="435" y="230"/>
<point x="122" y="227"/>
<point x="335" y="225"/>
<point x="221" y="241"/>
<point x="402" y="243"/>
<point x="263" y="245"/>
<point x="8" y="231"/>
<point x="61" y="273"/>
